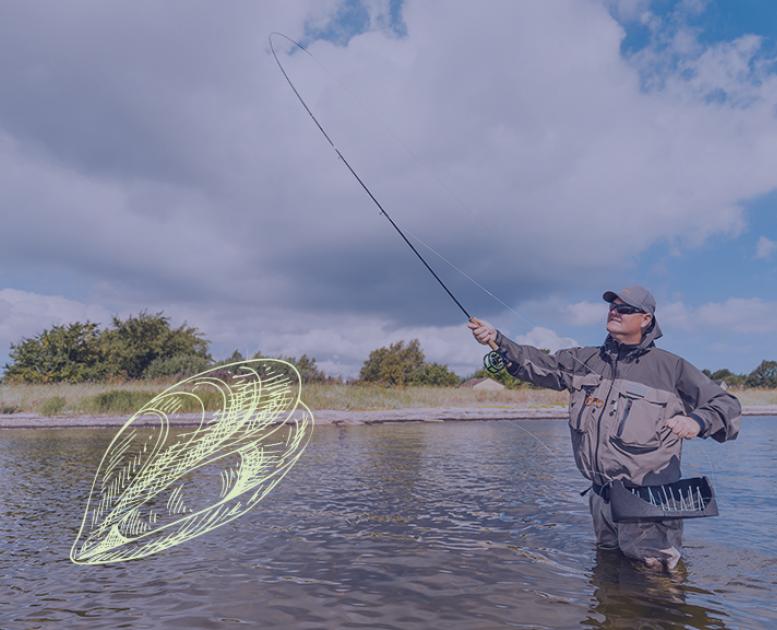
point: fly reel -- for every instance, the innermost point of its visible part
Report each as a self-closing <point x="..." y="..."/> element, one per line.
<point x="494" y="362"/>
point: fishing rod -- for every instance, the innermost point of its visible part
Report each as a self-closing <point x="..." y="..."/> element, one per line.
<point x="494" y="361"/>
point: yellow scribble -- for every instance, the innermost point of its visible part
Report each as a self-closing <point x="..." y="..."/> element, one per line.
<point x="154" y="490"/>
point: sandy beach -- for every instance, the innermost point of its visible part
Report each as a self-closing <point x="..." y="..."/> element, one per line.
<point x="334" y="417"/>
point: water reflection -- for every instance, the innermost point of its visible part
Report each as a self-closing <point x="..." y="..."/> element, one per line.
<point x="662" y="601"/>
<point x="455" y="525"/>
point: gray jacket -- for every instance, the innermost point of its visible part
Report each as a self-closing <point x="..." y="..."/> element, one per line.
<point x="620" y="397"/>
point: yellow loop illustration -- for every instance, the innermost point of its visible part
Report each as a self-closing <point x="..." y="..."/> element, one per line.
<point x="155" y="489"/>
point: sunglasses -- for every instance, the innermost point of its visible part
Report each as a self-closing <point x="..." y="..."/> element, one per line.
<point x="625" y="309"/>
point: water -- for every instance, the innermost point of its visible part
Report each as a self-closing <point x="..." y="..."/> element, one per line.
<point x="455" y="525"/>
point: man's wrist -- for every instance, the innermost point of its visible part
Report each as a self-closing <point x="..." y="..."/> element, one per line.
<point x="700" y="421"/>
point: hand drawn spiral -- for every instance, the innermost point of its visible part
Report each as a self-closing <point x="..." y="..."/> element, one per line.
<point x="155" y="489"/>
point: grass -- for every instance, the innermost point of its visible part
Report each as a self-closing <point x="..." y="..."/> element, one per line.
<point x="120" y="399"/>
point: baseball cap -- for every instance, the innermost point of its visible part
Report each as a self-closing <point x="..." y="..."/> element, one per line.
<point x="636" y="296"/>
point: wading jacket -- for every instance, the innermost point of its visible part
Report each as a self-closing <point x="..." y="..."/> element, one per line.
<point x="620" y="398"/>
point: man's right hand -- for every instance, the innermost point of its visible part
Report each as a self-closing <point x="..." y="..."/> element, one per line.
<point x="482" y="330"/>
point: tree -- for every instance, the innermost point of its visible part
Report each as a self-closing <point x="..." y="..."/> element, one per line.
<point x="765" y="375"/>
<point x="142" y="345"/>
<point x="69" y="353"/>
<point x="400" y="364"/>
<point x="731" y="379"/>
<point x="397" y="364"/>
<point x="133" y="344"/>
<point x="436" y="374"/>
<point x="309" y="370"/>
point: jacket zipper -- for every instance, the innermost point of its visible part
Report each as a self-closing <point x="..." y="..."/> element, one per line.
<point x="580" y="415"/>
<point x="599" y="422"/>
<point x="626" y="411"/>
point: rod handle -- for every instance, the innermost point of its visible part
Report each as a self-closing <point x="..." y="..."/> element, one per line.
<point x="491" y="344"/>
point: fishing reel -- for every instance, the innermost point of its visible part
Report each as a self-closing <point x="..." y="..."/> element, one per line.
<point x="494" y="362"/>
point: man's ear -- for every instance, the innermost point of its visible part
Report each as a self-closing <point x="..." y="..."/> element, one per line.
<point x="645" y="325"/>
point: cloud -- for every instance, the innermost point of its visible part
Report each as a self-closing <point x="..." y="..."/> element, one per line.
<point x="741" y="315"/>
<point x="746" y="315"/>
<point x="675" y="315"/>
<point x="24" y="314"/>
<point x="765" y="248"/>
<point x="586" y="313"/>
<point x="541" y="337"/>
<point x="629" y="10"/>
<point x="166" y="165"/>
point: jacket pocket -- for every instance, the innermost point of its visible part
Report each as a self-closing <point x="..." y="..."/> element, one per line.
<point x="582" y="401"/>
<point x="640" y="416"/>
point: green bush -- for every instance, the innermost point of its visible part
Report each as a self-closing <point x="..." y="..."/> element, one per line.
<point x="53" y="406"/>
<point x="121" y="401"/>
<point x="400" y="364"/>
<point x="132" y="345"/>
<point x="82" y="352"/>
<point x="765" y="375"/>
<point x="71" y="353"/>
<point x="117" y="401"/>
<point x="435" y="374"/>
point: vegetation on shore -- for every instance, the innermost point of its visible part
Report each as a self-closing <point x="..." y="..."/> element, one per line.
<point x="113" y="399"/>
<point x="82" y="369"/>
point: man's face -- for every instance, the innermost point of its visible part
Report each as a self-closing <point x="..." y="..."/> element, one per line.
<point x="626" y="325"/>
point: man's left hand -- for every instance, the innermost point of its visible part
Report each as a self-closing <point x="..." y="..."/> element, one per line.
<point x="684" y="427"/>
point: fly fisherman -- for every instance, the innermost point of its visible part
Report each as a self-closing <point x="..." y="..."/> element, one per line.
<point x="631" y="405"/>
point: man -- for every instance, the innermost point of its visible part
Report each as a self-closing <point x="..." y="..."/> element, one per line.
<point x="630" y="406"/>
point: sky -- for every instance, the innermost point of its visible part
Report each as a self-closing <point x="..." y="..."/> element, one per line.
<point x="153" y="158"/>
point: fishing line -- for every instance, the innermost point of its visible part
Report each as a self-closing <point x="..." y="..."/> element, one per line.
<point x="491" y="358"/>
<point x="355" y="174"/>
<point x="499" y="358"/>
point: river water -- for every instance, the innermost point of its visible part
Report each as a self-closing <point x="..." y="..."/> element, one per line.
<point x="417" y="525"/>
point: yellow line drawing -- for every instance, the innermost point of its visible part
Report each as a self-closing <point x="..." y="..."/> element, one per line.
<point x="154" y="489"/>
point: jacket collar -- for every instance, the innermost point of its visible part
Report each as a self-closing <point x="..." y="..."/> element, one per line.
<point x="614" y="349"/>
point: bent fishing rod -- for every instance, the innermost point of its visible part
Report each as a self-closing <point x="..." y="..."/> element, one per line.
<point x="494" y="361"/>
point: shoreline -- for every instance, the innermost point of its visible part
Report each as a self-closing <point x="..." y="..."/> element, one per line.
<point x="325" y="417"/>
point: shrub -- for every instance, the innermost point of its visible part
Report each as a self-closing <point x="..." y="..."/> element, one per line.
<point x="134" y="344"/>
<point x="53" y="406"/>
<point x="117" y="401"/>
<point x="435" y="374"/>
<point x="400" y="364"/>
<point x="81" y="352"/>
<point x="71" y="353"/>
<point x="396" y="364"/>
<point x="765" y="375"/>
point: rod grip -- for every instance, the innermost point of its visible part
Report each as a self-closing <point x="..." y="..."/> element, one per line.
<point x="491" y="344"/>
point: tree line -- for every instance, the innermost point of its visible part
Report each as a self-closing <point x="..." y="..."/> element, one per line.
<point x="147" y="346"/>
<point x="143" y="346"/>
<point x="764" y="375"/>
